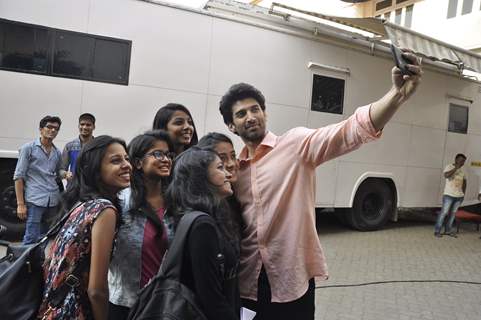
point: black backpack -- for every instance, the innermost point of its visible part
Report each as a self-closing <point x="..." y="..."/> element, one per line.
<point x="164" y="297"/>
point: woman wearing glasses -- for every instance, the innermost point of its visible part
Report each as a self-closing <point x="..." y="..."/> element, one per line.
<point x="144" y="234"/>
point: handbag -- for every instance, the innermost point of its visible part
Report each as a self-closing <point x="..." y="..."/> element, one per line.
<point x="165" y="297"/>
<point x="21" y="276"/>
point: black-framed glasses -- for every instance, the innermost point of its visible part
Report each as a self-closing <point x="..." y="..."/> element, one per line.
<point x="50" y="127"/>
<point x="160" y="155"/>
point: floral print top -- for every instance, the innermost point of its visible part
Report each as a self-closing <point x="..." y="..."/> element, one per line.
<point x="72" y="246"/>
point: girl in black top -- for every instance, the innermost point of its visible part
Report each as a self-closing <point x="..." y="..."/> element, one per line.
<point x="200" y="183"/>
<point x="223" y="146"/>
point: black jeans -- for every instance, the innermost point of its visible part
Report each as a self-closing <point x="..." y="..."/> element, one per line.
<point x="300" y="309"/>
<point x="117" y="312"/>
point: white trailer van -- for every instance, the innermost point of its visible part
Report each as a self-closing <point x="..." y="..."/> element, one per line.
<point x="123" y="59"/>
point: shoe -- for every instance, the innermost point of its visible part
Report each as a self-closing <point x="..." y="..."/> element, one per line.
<point x="438" y="235"/>
<point x="452" y="234"/>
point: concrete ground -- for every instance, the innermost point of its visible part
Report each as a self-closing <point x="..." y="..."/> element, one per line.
<point x="405" y="250"/>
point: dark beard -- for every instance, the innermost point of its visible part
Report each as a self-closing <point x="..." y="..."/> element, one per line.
<point x="255" y="136"/>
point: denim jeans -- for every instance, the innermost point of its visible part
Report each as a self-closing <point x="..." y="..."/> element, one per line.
<point x="39" y="220"/>
<point x="450" y="206"/>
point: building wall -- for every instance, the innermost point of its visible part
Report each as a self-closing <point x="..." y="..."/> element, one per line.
<point x="431" y="18"/>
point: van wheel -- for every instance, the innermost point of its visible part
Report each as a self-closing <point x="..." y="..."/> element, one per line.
<point x="373" y="205"/>
<point x="8" y="215"/>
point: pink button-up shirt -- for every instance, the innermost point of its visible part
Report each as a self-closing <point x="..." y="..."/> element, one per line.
<point x="276" y="190"/>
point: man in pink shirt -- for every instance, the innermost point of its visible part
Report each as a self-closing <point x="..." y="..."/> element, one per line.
<point x="280" y="249"/>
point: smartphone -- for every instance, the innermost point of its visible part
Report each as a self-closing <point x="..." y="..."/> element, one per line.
<point x="400" y="60"/>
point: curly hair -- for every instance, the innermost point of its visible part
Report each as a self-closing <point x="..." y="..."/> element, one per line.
<point x="51" y="119"/>
<point x="239" y="91"/>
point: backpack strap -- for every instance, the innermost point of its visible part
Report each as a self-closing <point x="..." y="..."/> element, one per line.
<point x="172" y="264"/>
<point x="58" y="226"/>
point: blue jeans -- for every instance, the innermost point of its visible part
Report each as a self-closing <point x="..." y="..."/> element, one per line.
<point x="450" y="206"/>
<point x="39" y="220"/>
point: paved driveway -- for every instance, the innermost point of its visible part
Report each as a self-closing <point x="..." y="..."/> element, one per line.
<point x="405" y="250"/>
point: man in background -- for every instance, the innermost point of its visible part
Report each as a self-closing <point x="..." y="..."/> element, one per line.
<point x="86" y="126"/>
<point x="453" y="195"/>
<point x="36" y="189"/>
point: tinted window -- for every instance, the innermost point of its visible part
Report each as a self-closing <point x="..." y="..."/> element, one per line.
<point x="383" y="4"/>
<point x="327" y="94"/>
<point x="408" y="19"/>
<point x="110" y="60"/>
<point x="452" y="7"/>
<point x="37" y="49"/>
<point x="458" y="118"/>
<point x="467" y="6"/>
<point x="23" y="48"/>
<point x="72" y="54"/>
<point x="397" y="18"/>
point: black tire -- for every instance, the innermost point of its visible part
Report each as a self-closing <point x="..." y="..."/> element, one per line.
<point x="373" y="205"/>
<point x="8" y="215"/>
<point x="341" y="215"/>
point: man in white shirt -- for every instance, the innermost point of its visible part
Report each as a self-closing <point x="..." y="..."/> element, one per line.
<point x="453" y="195"/>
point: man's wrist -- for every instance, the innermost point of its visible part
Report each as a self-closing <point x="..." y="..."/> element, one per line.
<point x="20" y="204"/>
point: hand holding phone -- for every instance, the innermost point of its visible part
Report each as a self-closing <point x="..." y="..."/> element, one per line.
<point x="401" y="61"/>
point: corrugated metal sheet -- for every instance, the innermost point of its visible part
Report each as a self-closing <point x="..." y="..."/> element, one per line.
<point x="405" y="38"/>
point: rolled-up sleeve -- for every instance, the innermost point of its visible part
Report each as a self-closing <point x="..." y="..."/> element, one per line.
<point x="22" y="162"/>
<point x="326" y="143"/>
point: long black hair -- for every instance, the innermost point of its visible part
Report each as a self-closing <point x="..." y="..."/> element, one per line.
<point x="164" y="114"/>
<point x="86" y="184"/>
<point x="138" y="147"/>
<point x="190" y="188"/>
<point x="231" y="219"/>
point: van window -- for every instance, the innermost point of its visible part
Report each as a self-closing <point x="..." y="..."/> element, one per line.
<point x="458" y="118"/>
<point x="23" y="48"/>
<point x="61" y="53"/>
<point x="327" y="94"/>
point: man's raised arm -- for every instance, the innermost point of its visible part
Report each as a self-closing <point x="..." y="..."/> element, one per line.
<point x="403" y="87"/>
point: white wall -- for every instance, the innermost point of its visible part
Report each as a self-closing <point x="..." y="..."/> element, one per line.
<point x="192" y="59"/>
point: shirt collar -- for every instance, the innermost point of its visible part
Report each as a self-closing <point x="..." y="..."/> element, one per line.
<point x="38" y="143"/>
<point x="269" y="142"/>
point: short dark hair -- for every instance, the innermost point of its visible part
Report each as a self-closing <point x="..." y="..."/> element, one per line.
<point x="460" y="155"/>
<point x="138" y="147"/>
<point x="51" y="119"/>
<point x="87" y="116"/>
<point x="238" y="92"/>
<point x="164" y="114"/>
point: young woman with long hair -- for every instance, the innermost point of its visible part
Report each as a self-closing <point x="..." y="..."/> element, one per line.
<point x="178" y="122"/>
<point x="143" y="235"/>
<point x="200" y="183"/>
<point x="80" y="254"/>
<point x="223" y="146"/>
